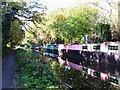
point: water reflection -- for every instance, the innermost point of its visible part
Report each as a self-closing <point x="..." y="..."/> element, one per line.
<point x="99" y="61"/>
<point x="102" y="67"/>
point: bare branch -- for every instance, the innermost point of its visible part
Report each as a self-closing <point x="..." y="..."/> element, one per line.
<point x="100" y="7"/>
<point x="27" y="17"/>
<point x="110" y="7"/>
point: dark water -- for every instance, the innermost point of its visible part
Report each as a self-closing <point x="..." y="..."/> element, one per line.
<point x="98" y="61"/>
<point x="103" y="67"/>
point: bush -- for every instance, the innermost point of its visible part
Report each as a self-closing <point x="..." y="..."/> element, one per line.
<point x="32" y="73"/>
<point x="78" y="79"/>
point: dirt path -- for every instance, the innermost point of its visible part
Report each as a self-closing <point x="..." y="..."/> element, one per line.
<point x="8" y="71"/>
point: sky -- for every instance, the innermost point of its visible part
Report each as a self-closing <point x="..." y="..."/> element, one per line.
<point x="53" y="4"/>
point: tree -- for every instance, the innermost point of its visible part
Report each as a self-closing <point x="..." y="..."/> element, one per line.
<point x="73" y="24"/>
<point x="16" y="33"/>
<point x="14" y="12"/>
<point x="112" y="15"/>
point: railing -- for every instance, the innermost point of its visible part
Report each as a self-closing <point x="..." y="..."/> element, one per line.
<point x="102" y="56"/>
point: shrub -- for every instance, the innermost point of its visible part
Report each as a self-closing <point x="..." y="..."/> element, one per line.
<point x="78" y="79"/>
<point x="32" y="73"/>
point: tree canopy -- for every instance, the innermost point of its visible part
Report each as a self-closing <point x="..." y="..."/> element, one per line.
<point x="62" y="25"/>
<point x="15" y="15"/>
<point x="71" y="25"/>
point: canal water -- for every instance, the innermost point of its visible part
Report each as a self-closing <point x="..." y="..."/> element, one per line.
<point x="102" y="62"/>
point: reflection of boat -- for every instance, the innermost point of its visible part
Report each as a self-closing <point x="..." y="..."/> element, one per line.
<point x="96" y="57"/>
<point x="101" y="71"/>
<point x="103" y="58"/>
